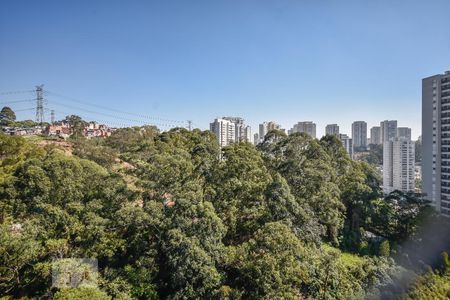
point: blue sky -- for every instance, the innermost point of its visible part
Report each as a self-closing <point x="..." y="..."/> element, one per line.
<point x="327" y="61"/>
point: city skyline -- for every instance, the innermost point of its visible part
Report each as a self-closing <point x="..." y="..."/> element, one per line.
<point x="230" y="149"/>
<point x="204" y="60"/>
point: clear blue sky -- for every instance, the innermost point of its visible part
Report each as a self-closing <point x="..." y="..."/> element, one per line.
<point x="327" y="61"/>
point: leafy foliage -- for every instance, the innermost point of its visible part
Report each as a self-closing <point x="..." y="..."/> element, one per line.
<point x="7" y="115"/>
<point x="172" y="216"/>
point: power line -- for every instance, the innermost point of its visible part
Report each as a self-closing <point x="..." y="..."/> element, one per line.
<point x="100" y="121"/>
<point x="115" y="110"/>
<point x="16" y="92"/>
<point x="52" y="116"/>
<point x="119" y="114"/>
<point x="16" y="101"/>
<point x="111" y="115"/>
<point x="24" y="109"/>
<point x="121" y="124"/>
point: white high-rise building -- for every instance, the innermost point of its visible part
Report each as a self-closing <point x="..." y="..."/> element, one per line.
<point x="224" y="131"/>
<point x="359" y="134"/>
<point x="388" y="130"/>
<point x="332" y="129"/>
<point x="230" y="130"/>
<point x="307" y="127"/>
<point x="265" y="127"/>
<point x="375" y="135"/>
<point x="436" y="141"/>
<point x="347" y="143"/>
<point x="398" y="165"/>
<point x="262" y="130"/>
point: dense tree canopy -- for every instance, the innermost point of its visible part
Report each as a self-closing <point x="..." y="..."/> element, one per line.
<point x="170" y="215"/>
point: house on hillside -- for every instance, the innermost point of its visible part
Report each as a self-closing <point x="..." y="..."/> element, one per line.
<point x="63" y="130"/>
<point x="96" y="130"/>
<point x="23" y="131"/>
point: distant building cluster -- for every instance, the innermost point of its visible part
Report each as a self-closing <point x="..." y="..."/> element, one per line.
<point x="399" y="170"/>
<point x="230" y="130"/>
<point x="265" y="128"/>
<point x="24" y="131"/>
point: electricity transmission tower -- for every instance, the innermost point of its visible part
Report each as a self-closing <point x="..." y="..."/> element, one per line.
<point x="189" y="125"/>
<point x="52" y="116"/>
<point x="39" y="104"/>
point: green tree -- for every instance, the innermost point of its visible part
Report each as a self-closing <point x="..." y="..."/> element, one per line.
<point x="399" y="215"/>
<point x="191" y="269"/>
<point x="69" y="203"/>
<point x="282" y="206"/>
<point x="7" y="115"/>
<point x="20" y="250"/>
<point x="430" y="286"/>
<point x="77" y="125"/>
<point x="384" y="249"/>
<point x="271" y="265"/>
<point x="81" y="294"/>
<point x="308" y="169"/>
<point x="131" y="139"/>
<point x="192" y="247"/>
<point x="94" y="151"/>
<point x="445" y="262"/>
<point x="375" y="155"/>
<point x="238" y="190"/>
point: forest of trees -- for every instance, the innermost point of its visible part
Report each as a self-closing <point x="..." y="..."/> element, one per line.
<point x="172" y="216"/>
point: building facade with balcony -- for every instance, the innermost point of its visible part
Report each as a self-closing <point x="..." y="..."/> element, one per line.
<point x="436" y="141"/>
<point x="399" y="165"/>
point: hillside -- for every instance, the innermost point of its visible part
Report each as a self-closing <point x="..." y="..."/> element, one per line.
<point x="169" y="216"/>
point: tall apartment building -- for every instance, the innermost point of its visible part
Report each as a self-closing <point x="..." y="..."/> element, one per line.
<point x="359" y="134"/>
<point x="265" y="127"/>
<point x="307" y="127"/>
<point x="388" y="130"/>
<point x="375" y="135"/>
<point x="404" y="132"/>
<point x="398" y="165"/>
<point x="332" y="129"/>
<point x="230" y="130"/>
<point x="347" y="143"/>
<point x="436" y="141"/>
<point x="224" y="131"/>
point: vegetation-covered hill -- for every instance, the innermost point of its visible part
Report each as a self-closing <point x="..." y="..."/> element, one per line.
<point x="171" y="216"/>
